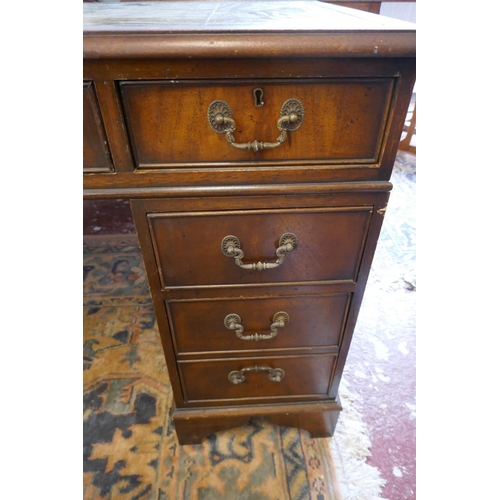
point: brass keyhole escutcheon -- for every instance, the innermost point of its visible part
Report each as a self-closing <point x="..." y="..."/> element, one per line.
<point x="258" y="95"/>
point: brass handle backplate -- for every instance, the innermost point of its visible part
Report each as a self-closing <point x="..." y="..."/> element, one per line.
<point x="231" y="247"/>
<point x="233" y="322"/>
<point x="275" y="374"/>
<point x="220" y="118"/>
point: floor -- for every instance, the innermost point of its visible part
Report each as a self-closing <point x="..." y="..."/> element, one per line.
<point x="381" y="362"/>
<point x="381" y="365"/>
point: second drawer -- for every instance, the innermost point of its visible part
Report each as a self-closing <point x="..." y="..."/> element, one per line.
<point x="259" y="323"/>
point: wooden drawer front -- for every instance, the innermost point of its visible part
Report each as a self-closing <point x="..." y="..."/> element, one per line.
<point x="304" y="376"/>
<point x="188" y="245"/>
<point x="200" y="326"/>
<point x="96" y="156"/>
<point x="343" y="121"/>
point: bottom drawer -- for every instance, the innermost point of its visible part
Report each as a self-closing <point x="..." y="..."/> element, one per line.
<point x="262" y="378"/>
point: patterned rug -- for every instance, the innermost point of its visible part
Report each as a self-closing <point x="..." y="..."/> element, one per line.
<point x="130" y="447"/>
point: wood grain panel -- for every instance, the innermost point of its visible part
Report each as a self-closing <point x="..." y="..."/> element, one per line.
<point x="304" y="375"/>
<point x="372" y="6"/>
<point x="317" y="417"/>
<point x="96" y="157"/>
<point x="314" y="321"/>
<point x="114" y="125"/>
<point x="188" y="246"/>
<point x="344" y="121"/>
<point x="256" y="67"/>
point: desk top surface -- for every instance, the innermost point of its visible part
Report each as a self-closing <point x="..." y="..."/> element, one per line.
<point x="232" y="16"/>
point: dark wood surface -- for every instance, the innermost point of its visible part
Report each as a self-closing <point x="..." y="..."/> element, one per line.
<point x="151" y="71"/>
<point x="367" y="6"/>
<point x="331" y="243"/>
<point x="318" y="417"/>
<point x="256" y="171"/>
<point x="343" y="120"/>
<point x="115" y="125"/>
<point x="250" y="286"/>
<point x="305" y="375"/>
<point x="321" y="316"/>
<point x="96" y="157"/>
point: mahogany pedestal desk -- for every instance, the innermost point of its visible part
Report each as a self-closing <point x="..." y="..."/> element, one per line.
<point x="255" y="142"/>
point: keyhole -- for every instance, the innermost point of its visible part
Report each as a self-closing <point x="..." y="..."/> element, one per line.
<point x="258" y="95"/>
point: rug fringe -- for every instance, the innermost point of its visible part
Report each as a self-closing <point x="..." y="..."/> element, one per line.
<point x="350" y="447"/>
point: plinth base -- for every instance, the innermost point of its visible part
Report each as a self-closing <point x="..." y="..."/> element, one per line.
<point x="318" y="418"/>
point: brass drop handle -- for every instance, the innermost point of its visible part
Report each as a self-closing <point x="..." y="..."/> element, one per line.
<point x="233" y="322"/>
<point x="220" y="118"/>
<point x="231" y="247"/>
<point x="275" y="374"/>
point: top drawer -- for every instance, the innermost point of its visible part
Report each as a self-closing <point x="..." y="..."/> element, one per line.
<point x="340" y="121"/>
